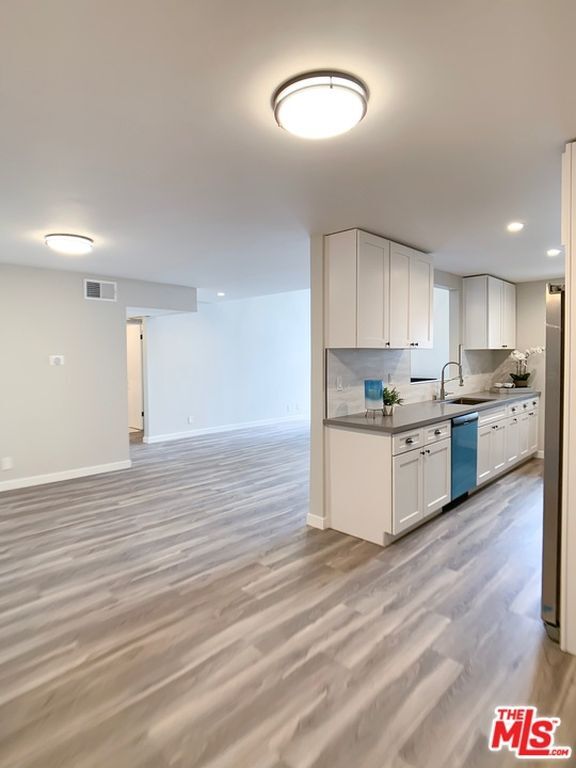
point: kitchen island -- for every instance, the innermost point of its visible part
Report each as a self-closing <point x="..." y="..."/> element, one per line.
<point x="385" y="475"/>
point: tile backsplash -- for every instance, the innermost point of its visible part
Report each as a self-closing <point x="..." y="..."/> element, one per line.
<point x="346" y="370"/>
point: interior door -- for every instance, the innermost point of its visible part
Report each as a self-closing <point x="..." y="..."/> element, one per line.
<point x="135" y="388"/>
<point x="399" y="296"/>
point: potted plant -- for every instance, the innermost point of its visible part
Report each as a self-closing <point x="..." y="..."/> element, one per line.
<point x="391" y="398"/>
<point x="522" y="375"/>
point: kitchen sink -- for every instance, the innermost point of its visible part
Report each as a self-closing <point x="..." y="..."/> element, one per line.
<point x="467" y="401"/>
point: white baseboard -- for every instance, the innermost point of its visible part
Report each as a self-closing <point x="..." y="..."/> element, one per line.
<point x="315" y="521"/>
<point x="149" y="439"/>
<point x="539" y="454"/>
<point x="68" y="474"/>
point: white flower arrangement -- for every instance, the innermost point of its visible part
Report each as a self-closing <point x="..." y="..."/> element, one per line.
<point x="521" y="360"/>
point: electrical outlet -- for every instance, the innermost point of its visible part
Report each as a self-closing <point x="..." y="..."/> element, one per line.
<point x="56" y="359"/>
<point x="339" y="385"/>
<point x="6" y="463"/>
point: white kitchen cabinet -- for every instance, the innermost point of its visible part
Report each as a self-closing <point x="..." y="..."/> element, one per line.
<point x="399" y="301"/>
<point x="407" y="490"/>
<point x="532" y="431"/>
<point x="437" y="475"/>
<point x="421" y="300"/>
<point x="512" y="440"/>
<point x="524" y="434"/>
<point x="420" y="484"/>
<point x="378" y="294"/>
<point x="484" y="467"/>
<point x="340" y="289"/>
<point x="489" y="312"/>
<point x="492" y="456"/>
<point x="373" y="275"/>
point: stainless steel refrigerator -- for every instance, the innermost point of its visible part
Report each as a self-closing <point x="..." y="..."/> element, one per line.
<point x="555" y="297"/>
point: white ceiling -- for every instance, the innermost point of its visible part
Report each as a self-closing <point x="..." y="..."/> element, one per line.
<point x="146" y="124"/>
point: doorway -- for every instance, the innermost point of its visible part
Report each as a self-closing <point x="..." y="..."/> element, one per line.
<point x="134" y="337"/>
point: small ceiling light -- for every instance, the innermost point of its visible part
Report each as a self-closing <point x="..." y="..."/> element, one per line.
<point x="220" y="293"/>
<point x="72" y="245"/>
<point x="553" y="252"/>
<point x="515" y="226"/>
<point x="319" y="105"/>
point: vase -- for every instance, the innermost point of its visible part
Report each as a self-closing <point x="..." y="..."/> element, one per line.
<point x="389" y="410"/>
<point x="373" y="394"/>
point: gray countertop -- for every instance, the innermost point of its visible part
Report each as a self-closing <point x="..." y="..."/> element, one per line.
<point x="416" y="415"/>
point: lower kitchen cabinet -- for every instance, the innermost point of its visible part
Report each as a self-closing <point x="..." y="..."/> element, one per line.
<point x="379" y="485"/>
<point x="504" y="442"/>
<point x="420" y="484"/>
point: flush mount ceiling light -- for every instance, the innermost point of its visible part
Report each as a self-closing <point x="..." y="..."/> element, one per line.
<point x="515" y="226"/>
<point x="553" y="252"/>
<point x="220" y="293"/>
<point x="319" y="105"/>
<point x="72" y="245"/>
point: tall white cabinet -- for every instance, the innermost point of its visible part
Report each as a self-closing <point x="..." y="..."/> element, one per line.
<point x="378" y="294"/>
<point x="489" y="313"/>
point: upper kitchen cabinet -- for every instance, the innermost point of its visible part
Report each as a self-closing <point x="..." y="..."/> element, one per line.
<point x="377" y="294"/>
<point x="489" y="312"/>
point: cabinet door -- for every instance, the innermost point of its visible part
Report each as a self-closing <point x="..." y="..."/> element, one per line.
<point x="495" y="302"/>
<point x="485" y="466"/>
<point x="340" y="289"/>
<point x="508" y="339"/>
<point x="372" y="291"/>
<point x="421" y="300"/>
<point x="436" y="476"/>
<point x="406" y="490"/>
<point x="499" y="447"/>
<point x="475" y="317"/>
<point x="524" y="438"/>
<point x="513" y="441"/>
<point x="532" y="432"/>
<point x="399" y="296"/>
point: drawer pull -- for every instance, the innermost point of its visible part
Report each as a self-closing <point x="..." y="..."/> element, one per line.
<point x="409" y="441"/>
<point x="437" y="431"/>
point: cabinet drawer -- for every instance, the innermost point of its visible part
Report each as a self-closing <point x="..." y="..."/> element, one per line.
<point x="514" y="409"/>
<point x="494" y="414"/>
<point x="437" y="432"/>
<point x="407" y="441"/>
<point x="530" y="405"/>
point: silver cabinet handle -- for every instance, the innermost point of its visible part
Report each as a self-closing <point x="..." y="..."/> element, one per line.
<point x="409" y="441"/>
<point x="437" y="431"/>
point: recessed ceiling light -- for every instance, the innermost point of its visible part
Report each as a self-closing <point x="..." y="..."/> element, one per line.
<point x="318" y="105"/>
<point x="220" y="293"/>
<point x="515" y="226"/>
<point x="553" y="252"/>
<point x="73" y="245"/>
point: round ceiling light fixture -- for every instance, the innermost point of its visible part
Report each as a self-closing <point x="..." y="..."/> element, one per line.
<point x="72" y="245"/>
<point x="319" y="105"/>
<point x="553" y="252"/>
<point x="515" y="226"/>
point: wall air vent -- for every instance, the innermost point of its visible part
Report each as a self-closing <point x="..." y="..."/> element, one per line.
<point x="99" y="290"/>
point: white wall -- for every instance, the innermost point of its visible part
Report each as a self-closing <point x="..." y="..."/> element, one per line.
<point x="232" y="363"/>
<point x="59" y="421"/>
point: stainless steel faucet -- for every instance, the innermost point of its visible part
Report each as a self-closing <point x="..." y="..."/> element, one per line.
<point x="460" y="376"/>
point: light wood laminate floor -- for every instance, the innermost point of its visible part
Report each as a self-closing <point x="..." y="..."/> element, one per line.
<point x="181" y="614"/>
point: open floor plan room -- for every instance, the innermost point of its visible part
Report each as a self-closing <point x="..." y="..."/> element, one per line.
<point x="168" y="616"/>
